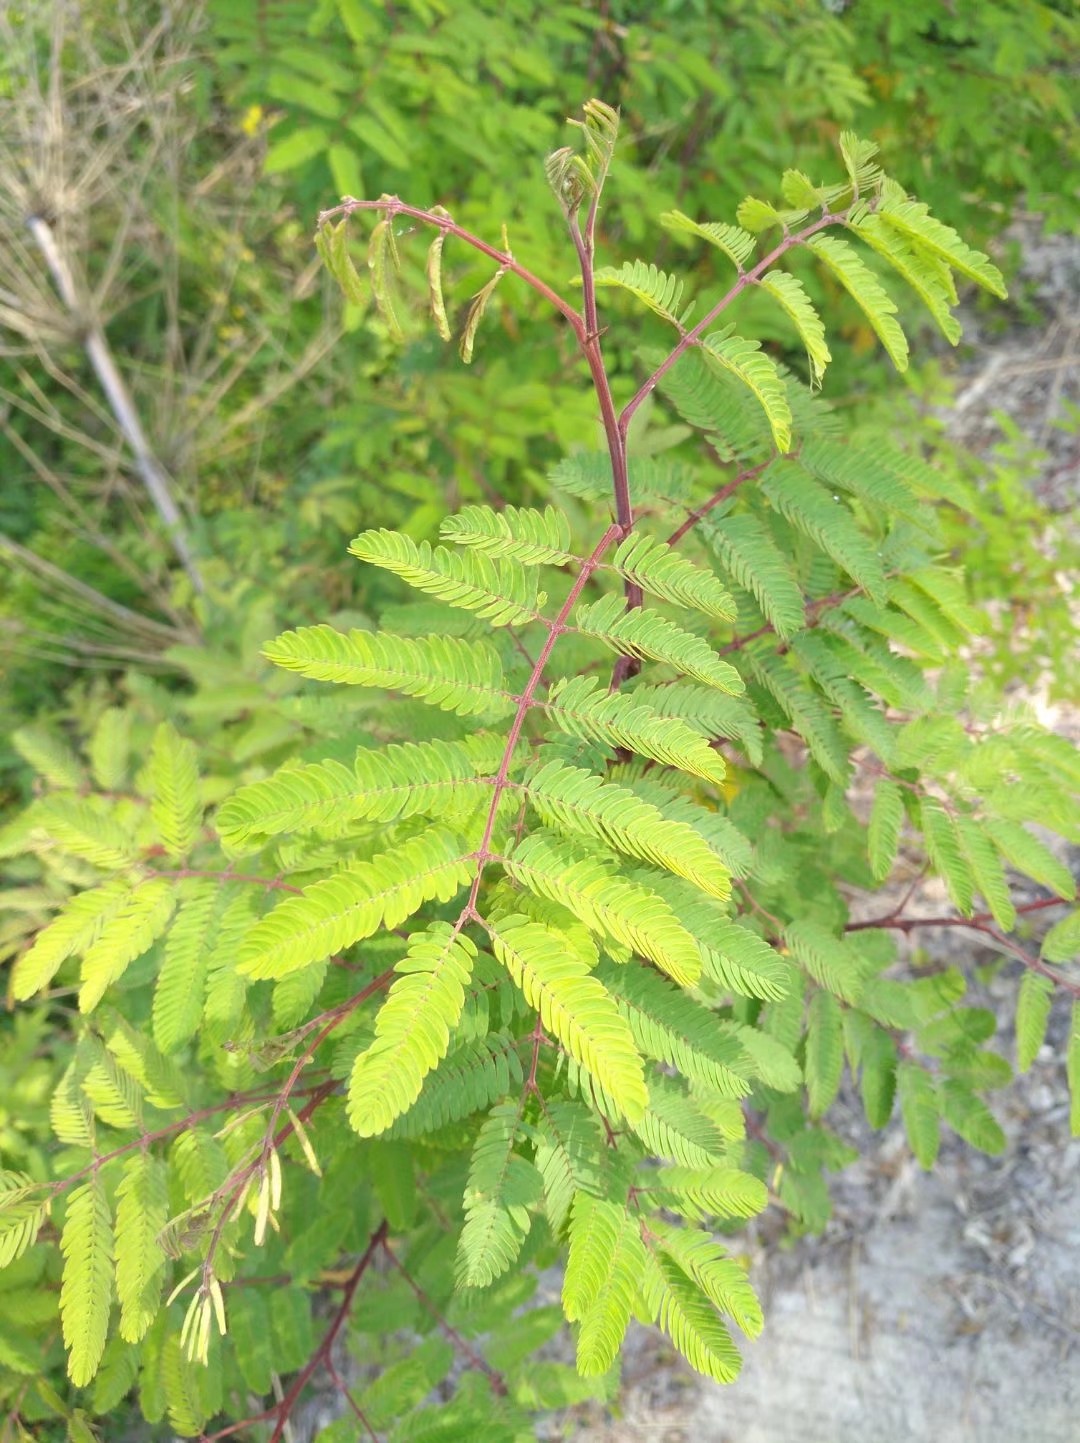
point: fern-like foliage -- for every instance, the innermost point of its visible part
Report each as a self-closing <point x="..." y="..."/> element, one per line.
<point x="86" y="1293"/>
<point x="516" y="533"/>
<point x="662" y="572"/>
<point x="555" y="980"/>
<point x="496" y="591"/>
<point x="653" y="288"/>
<point x="413" y="1028"/>
<point x="445" y="671"/>
<point x="357" y="901"/>
<point x="747" y="362"/>
<point x="603" y="1272"/>
<point x="645" y="634"/>
<point x="539" y="936"/>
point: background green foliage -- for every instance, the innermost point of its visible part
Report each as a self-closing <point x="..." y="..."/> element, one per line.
<point x="289" y="425"/>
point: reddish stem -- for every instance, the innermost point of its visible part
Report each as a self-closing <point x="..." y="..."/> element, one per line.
<point x="715" y="500"/>
<point x="746" y="278"/>
<point x="498" y="1384"/>
<point x="980" y="923"/>
<point x="391" y="206"/>
<point x="281" y="1411"/>
<point x="502" y="779"/>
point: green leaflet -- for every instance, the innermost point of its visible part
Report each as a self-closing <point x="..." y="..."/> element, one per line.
<point x="574" y="1006"/>
<point x="863" y="470"/>
<point x="742" y="961"/>
<point x="84" y="828"/>
<point x="804" y="708"/>
<point x="986" y="870"/>
<point x="86" y="1291"/>
<point x="827" y="522"/>
<point x="862" y="719"/>
<point x="1062" y="942"/>
<point x="720" y="1278"/>
<point x="516" y="533"/>
<point x="824" y="1052"/>
<point x="581" y="706"/>
<point x="788" y="292"/>
<point x="653" y="288"/>
<point x="1032" y="1015"/>
<point x="432" y="778"/>
<point x="570" y="799"/>
<point x="68" y="935"/>
<point x="50" y="756"/>
<point x="502" y="1188"/>
<point x="758" y="215"/>
<point x="799" y="191"/>
<point x="174" y="786"/>
<point x="920" y="1108"/>
<point x="1029" y="855"/>
<point x="412" y="1029"/>
<point x="571" y="1157"/>
<point x="858" y="156"/>
<point x="603" y="1271"/>
<point x="969" y="1116"/>
<point x="751" y="557"/>
<point x="109" y="748"/>
<point x="672" y="1300"/>
<point x="180" y="990"/>
<point x="707" y="711"/>
<point x="24" y="1206"/>
<point x="831" y="961"/>
<point x="736" y="244"/>
<point x="671" y="1027"/>
<point x="657" y="568"/>
<point x="469" y="1079"/>
<point x="333" y="914"/>
<point x="608" y="904"/>
<point x="131" y="930"/>
<point x="883" y="836"/>
<point x="588" y="474"/>
<point x="912" y="220"/>
<point x="460" y="676"/>
<point x="674" y="1126"/>
<point x="866" y="291"/>
<point x="748" y="363"/>
<point x="496" y="590"/>
<point x="650" y="636"/>
<point x="141" y="1212"/>
<point x="947" y="854"/>
<point x="874" y="1053"/>
<point x="707" y="1192"/>
<point x="919" y="269"/>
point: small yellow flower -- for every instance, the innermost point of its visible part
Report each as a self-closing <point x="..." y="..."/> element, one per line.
<point x="252" y="120"/>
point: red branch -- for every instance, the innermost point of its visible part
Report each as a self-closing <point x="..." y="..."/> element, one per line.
<point x="498" y="1384"/>
<point x="980" y="923"/>
<point x="391" y="206"/>
<point x="746" y="278"/>
<point x="282" y="1411"/>
<point x="189" y="1120"/>
<point x="715" y="500"/>
<point x="559" y="627"/>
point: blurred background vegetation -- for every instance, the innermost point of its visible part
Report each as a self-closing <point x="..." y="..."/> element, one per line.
<point x="192" y="427"/>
